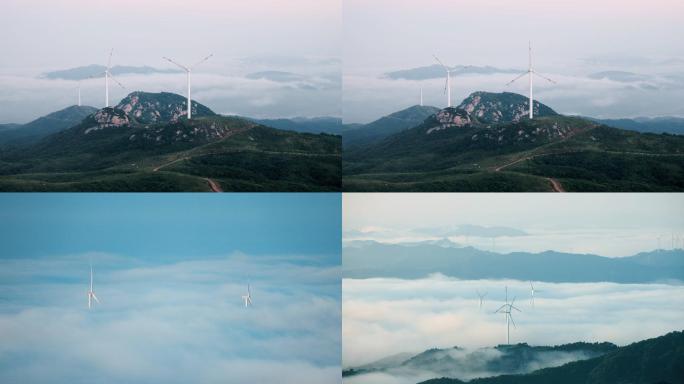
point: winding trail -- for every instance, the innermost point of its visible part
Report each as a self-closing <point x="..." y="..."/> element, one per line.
<point x="556" y="185"/>
<point x="215" y="187"/>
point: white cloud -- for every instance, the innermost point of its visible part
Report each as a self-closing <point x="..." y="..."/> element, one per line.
<point x="382" y="317"/>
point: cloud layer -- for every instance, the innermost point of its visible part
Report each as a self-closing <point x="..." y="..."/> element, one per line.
<point x="382" y="317"/>
<point x="177" y="322"/>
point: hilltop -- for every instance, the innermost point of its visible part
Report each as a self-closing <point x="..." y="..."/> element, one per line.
<point x="23" y="134"/>
<point x="657" y="360"/>
<point x="487" y="143"/>
<point x="146" y="143"/>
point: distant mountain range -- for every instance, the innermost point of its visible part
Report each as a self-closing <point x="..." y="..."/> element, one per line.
<point x="23" y="134"/>
<point x="654" y="361"/>
<point x="483" y="362"/>
<point x="364" y="134"/>
<point x="95" y="70"/>
<point x="671" y="125"/>
<point x="413" y="261"/>
<point x="488" y="144"/>
<point x="324" y="124"/>
<point x="436" y="71"/>
<point x="146" y="143"/>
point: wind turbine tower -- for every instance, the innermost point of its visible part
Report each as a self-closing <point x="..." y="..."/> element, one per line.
<point x="248" y="297"/>
<point x="481" y="296"/>
<point x="447" y="86"/>
<point x="421" y="96"/>
<point x="187" y="71"/>
<point x="107" y="76"/>
<point x="506" y="309"/>
<point x="530" y="72"/>
<point x="91" y="293"/>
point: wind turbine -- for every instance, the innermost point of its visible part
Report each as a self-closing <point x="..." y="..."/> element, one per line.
<point x="91" y="293"/>
<point x="532" y="291"/>
<point x="530" y="72"/>
<point x="506" y="309"/>
<point x="248" y="297"/>
<point x="447" y="85"/>
<point x="107" y="76"/>
<point x="481" y="296"/>
<point x="187" y="71"/>
<point x="421" y="96"/>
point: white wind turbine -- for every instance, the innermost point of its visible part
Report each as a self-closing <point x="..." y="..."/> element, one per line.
<point x="421" y="96"/>
<point x="481" y="296"/>
<point x="530" y="72"/>
<point x="447" y="86"/>
<point x="91" y="293"/>
<point x="532" y="292"/>
<point x="107" y="76"/>
<point x="187" y="71"/>
<point x="248" y="297"/>
<point x="506" y="309"/>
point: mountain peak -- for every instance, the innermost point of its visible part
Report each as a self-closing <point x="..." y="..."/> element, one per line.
<point x="504" y="107"/>
<point x="150" y="108"/>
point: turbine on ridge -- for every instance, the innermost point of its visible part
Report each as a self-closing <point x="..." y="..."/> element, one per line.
<point x="530" y="72"/>
<point x="107" y="76"/>
<point x="187" y="71"/>
<point x="506" y="309"/>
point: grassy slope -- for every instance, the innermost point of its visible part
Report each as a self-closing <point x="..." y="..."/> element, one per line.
<point x="598" y="159"/>
<point x="246" y="160"/>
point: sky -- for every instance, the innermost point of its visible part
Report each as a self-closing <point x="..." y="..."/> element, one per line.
<point x="169" y="271"/>
<point x="611" y="225"/>
<point x="302" y="37"/>
<point x="571" y="40"/>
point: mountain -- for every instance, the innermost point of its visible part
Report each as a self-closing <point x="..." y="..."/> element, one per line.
<point x="44" y="126"/>
<point x="146" y="143"/>
<point x="325" y="124"/>
<point x="671" y="125"/>
<point x="654" y="361"/>
<point x="482" y="362"/>
<point x="487" y="143"/>
<point x="150" y="108"/>
<point x="386" y="126"/>
<point x="436" y="71"/>
<point x="81" y="73"/>
<point x="413" y="261"/>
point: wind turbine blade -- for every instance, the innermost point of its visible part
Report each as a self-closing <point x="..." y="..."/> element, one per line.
<point x="183" y="67"/>
<point x="511" y="317"/>
<point x="516" y="79"/>
<point x="544" y="77"/>
<point x="440" y="63"/>
<point x="202" y="61"/>
<point x="446" y="84"/>
<point x="500" y="308"/>
<point x="116" y="81"/>
<point x="89" y="301"/>
<point x="95" y="297"/>
<point x="109" y="62"/>
<point x="516" y="308"/>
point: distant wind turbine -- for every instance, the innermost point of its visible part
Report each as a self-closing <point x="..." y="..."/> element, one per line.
<point x="506" y="309"/>
<point x="187" y="71"/>
<point x="532" y="292"/>
<point x="107" y="76"/>
<point x="421" y="96"/>
<point x="481" y="296"/>
<point x="530" y="72"/>
<point x="248" y="297"/>
<point x="91" y="293"/>
<point x="447" y="85"/>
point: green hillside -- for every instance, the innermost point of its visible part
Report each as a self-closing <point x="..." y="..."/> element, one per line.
<point x="146" y="144"/>
<point x="653" y="361"/>
<point x="487" y="144"/>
